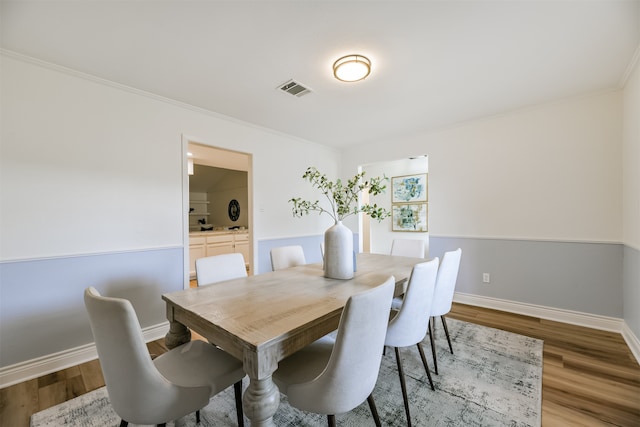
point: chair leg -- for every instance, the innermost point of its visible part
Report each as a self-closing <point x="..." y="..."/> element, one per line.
<point x="432" y="331"/>
<point x="124" y="423"/>
<point x="403" y="385"/>
<point x="331" y="420"/>
<point x="446" y="332"/>
<point x="374" y="410"/>
<point x="426" y="366"/>
<point x="237" y="389"/>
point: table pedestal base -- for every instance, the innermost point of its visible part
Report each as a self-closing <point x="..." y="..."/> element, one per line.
<point x="178" y="334"/>
<point x="260" y="401"/>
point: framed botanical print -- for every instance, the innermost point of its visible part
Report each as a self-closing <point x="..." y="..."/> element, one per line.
<point x="409" y="188"/>
<point x="409" y="217"/>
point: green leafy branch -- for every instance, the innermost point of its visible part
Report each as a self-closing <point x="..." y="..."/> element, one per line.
<point x="343" y="198"/>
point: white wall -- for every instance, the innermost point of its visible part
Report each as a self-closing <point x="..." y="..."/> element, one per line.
<point x="631" y="159"/>
<point x="551" y="172"/>
<point x="631" y="206"/>
<point x="89" y="168"/>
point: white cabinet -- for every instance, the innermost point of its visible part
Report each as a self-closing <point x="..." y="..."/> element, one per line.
<point x="241" y="245"/>
<point x="210" y="244"/>
<point x="197" y="249"/>
<point x="220" y="244"/>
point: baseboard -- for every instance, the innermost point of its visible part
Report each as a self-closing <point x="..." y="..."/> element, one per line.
<point x="632" y="341"/>
<point x="594" y="321"/>
<point x="35" y="368"/>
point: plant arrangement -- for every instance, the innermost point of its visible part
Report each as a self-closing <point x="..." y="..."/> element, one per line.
<point x="343" y="198"/>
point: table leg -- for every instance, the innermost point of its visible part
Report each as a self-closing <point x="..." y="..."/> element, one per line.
<point x="178" y="334"/>
<point x="260" y="401"/>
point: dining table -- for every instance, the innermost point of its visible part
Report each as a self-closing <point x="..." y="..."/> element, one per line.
<point x="263" y="318"/>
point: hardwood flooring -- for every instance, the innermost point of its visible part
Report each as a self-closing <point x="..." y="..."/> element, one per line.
<point x="590" y="377"/>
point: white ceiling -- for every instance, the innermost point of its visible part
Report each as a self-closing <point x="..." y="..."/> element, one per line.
<point x="435" y="63"/>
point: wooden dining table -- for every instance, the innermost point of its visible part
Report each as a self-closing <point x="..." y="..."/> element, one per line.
<point x="264" y="318"/>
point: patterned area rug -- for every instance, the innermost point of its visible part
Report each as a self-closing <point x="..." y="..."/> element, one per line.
<point x="493" y="379"/>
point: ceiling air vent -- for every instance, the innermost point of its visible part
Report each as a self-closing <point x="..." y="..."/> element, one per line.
<point x="294" y="88"/>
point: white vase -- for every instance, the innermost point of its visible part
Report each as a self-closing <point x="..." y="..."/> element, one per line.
<point x="338" y="252"/>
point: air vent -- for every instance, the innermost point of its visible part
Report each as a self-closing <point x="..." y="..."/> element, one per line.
<point x="294" y="88"/>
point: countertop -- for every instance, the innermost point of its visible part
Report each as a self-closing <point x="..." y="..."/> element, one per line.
<point x="214" y="232"/>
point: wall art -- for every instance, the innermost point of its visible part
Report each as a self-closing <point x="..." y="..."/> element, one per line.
<point x="409" y="188"/>
<point x="409" y="217"/>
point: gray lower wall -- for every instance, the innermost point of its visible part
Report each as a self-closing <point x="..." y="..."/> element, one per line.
<point x="41" y="301"/>
<point x="631" y="280"/>
<point x="583" y="277"/>
<point x="42" y="310"/>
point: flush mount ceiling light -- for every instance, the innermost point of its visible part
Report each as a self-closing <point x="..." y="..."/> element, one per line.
<point x="351" y="68"/>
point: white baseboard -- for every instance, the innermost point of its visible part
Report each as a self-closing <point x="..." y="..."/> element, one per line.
<point x="594" y="321"/>
<point x="632" y="341"/>
<point x="35" y="368"/>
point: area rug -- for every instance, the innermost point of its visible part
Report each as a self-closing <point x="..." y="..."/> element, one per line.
<point x="493" y="379"/>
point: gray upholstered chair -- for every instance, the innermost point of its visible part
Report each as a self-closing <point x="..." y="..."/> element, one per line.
<point x="333" y="376"/>
<point x="287" y="256"/>
<point x="410" y="325"/>
<point x="413" y="248"/>
<point x="145" y="391"/>
<point x="443" y="296"/>
<point x="218" y="268"/>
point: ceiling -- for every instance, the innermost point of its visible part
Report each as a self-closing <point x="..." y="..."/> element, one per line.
<point x="434" y="63"/>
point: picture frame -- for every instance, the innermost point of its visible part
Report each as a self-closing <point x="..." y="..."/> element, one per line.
<point x="409" y="188"/>
<point x="409" y="217"/>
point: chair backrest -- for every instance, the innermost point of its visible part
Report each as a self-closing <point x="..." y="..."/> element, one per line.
<point x="446" y="282"/>
<point x="352" y="370"/>
<point x="410" y="325"/>
<point x="217" y="268"/>
<point x="408" y="247"/>
<point x="287" y="256"/>
<point x="134" y="384"/>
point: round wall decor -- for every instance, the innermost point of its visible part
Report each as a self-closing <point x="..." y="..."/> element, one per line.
<point x="234" y="210"/>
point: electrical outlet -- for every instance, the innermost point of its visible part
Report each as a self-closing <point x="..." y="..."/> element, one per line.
<point x="486" y="278"/>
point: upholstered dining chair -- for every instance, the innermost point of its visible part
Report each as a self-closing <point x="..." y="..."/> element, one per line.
<point x="287" y="256"/>
<point x="145" y="391"/>
<point x="443" y="297"/>
<point x="217" y="268"/>
<point x="410" y="248"/>
<point x="410" y="325"/>
<point x="334" y="376"/>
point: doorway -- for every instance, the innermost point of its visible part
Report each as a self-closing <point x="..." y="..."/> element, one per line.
<point x="217" y="204"/>
<point x="376" y="237"/>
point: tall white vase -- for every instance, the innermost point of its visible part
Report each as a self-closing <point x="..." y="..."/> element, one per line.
<point x="338" y="252"/>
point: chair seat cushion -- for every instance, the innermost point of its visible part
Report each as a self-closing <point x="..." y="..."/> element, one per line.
<point x="198" y="363"/>
<point x="304" y="365"/>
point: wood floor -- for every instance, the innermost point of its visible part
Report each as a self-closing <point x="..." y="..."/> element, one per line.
<point x="590" y="377"/>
